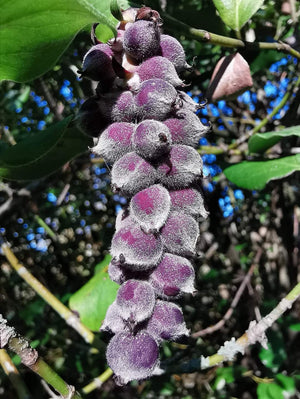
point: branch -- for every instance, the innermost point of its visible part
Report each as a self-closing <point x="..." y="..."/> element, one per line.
<point x="11" y="371"/>
<point x="268" y="118"/>
<point x="70" y="318"/>
<point x="228" y="314"/>
<point x="30" y="358"/>
<point x="205" y="36"/>
<point x="255" y="333"/>
<point x="98" y="381"/>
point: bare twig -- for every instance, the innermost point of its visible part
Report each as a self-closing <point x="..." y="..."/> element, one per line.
<point x="205" y="36"/>
<point x="11" y="371"/>
<point x="228" y="314"/>
<point x="70" y="318"/>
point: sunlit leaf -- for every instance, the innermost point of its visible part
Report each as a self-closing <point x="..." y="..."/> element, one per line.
<point x="34" y="34"/>
<point x="254" y="175"/>
<point x="262" y="141"/>
<point x="92" y="300"/>
<point x="43" y="153"/>
<point x="235" y="13"/>
<point x="269" y="391"/>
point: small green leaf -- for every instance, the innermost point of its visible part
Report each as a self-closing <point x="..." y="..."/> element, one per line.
<point x="104" y="263"/>
<point x="92" y="300"/>
<point x="269" y="391"/>
<point x="295" y="327"/>
<point x="34" y="34"/>
<point x="235" y="13"/>
<point x="43" y="152"/>
<point x="287" y="383"/>
<point x="262" y="141"/>
<point x="255" y="175"/>
<point x="275" y="355"/>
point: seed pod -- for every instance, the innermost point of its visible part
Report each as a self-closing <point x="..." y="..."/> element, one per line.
<point x="231" y="77"/>
<point x="172" y="277"/>
<point x="124" y="109"/>
<point x="97" y="63"/>
<point x="135" y="300"/>
<point x="166" y="322"/>
<point x="115" y="141"/>
<point x="141" y="40"/>
<point x="133" y="357"/>
<point x="131" y="174"/>
<point x="155" y="67"/>
<point x="181" y="168"/>
<point x="150" y="208"/>
<point x="188" y="200"/>
<point x="94" y="116"/>
<point x="174" y="52"/>
<point x="135" y="249"/>
<point x="113" y="322"/>
<point x="186" y="128"/>
<point x="180" y="234"/>
<point x="155" y="99"/>
<point x="151" y="139"/>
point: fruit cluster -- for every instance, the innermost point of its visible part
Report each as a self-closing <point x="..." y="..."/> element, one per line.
<point x="147" y="128"/>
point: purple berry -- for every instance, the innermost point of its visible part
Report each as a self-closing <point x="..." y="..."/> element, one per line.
<point x="172" y="277"/>
<point x="181" y="168"/>
<point x="135" y="249"/>
<point x="151" y="139"/>
<point x="180" y="234"/>
<point x="167" y="322"/>
<point x="135" y="300"/>
<point x="155" y="67"/>
<point x="150" y="208"/>
<point x="124" y="109"/>
<point x="97" y="63"/>
<point x="94" y="116"/>
<point x="188" y="200"/>
<point x="113" y="322"/>
<point x="115" y="141"/>
<point x="133" y="357"/>
<point x="174" y="52"/>
<point x="186" y="128"/>
<point x="131" y="174"/>
<point x="156" y="99"/>
<point x="141" y="40"/>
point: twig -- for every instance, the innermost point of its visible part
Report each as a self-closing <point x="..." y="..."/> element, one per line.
<point x="30" y="358"/>
<point x="228" y="314"/>
<point x="212" y="38"/>
<point x="11" y="371"/>
<point x="46" y="227"/>
<point x="98" y="381"/>
<point x="267" y="119"/>
<point x="50" y="100"/>
<point x="70" y="318"/>
<point x="255" y="333"/>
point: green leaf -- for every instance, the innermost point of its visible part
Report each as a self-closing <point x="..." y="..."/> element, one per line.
<point x="295" y="327"/>
<point x="235" y="13"/>
<point x="93" y="299"/>
<point x="275" y="355"/>
<point x="269" y="391"/>
<point x="262" y="141"/>
<point x="255" y="175"/>
<point x="287" y="383"/>
<point x="34" y="34"/>
<point x="43" y="153"/>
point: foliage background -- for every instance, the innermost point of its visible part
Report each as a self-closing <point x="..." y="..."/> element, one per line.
<point x="244" y="227"/>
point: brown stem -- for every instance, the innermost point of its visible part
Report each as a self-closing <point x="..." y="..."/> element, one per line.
<point x="237" y="297"/>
